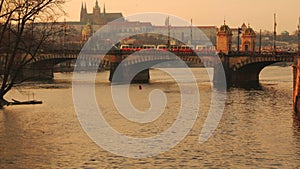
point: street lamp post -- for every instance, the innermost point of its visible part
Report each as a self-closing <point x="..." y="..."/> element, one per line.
<point x="259" y="50"/>
<point x="191" y="32"/>
<point x="274" y="40"/>
<point x="238" y="39"/>
<point x="169" y="33"/>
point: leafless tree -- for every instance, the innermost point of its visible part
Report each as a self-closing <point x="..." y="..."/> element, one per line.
<point x="25" y="27"/>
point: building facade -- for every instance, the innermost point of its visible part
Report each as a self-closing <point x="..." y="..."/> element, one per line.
<point x="98" y="16"/>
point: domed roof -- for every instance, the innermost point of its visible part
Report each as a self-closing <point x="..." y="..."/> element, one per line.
<point x="225" y="28"/>
<point x="249" y="31"/>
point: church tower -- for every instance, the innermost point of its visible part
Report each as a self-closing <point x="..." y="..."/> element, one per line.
<point x="96" y="10"/>
<point x="248" y="40"/>
<point x="224" y="39"/>
<point x="83" y="13"/>
<point x="96" y="17"/>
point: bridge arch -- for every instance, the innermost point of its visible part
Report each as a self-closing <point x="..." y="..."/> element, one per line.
<point x="247" y="75"/>
<point x="123" y="73"/>
<point x="246" y="72"/>
<point x="41" y="67"/>
<point x="143" y="60"/>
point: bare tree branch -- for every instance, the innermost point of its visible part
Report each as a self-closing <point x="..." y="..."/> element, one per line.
<point x="17" y="19"/>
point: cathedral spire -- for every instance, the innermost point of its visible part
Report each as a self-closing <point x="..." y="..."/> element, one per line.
<point x="104" y="10"/>
<point x="97" y="5"/>
<point x="83" y="13"/>
<point x="96" y="10"/>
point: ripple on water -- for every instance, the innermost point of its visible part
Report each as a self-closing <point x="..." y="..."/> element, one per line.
<point x="257" y="129"/>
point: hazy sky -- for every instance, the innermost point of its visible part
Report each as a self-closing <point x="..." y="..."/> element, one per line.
<point x="259" y="13"/>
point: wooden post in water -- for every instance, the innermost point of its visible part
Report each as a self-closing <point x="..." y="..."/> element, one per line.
<point x="296" y="80"/>
<point x="296" y="94"/>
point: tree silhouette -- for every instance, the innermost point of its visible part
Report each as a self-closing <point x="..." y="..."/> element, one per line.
<point x="26" y="26"/>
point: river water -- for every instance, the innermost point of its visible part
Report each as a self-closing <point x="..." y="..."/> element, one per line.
<point x="257" y="129"/>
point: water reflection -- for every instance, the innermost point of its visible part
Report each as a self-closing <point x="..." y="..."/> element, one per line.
<point x="257" y="130"/>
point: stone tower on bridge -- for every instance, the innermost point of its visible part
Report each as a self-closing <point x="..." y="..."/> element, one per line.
<point x="224" y="39"/>
<point x="248" y="40"/>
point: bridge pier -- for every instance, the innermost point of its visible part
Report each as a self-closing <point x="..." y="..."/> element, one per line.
<point x="247" y="76"/>
<point x="125" y="73"/>
<point x="218" y="79"/>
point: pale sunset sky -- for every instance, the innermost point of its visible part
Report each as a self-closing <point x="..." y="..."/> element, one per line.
<point x="259" y="13"/>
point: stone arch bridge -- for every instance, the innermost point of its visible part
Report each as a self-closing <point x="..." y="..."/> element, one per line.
<point x="241" y="69"/>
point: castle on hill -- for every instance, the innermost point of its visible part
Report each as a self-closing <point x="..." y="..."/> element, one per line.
<point x="98" y="17"/>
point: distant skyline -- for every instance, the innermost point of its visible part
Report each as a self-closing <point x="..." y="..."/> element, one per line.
<point x="258" y="13"/>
